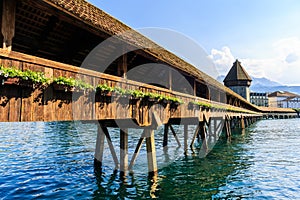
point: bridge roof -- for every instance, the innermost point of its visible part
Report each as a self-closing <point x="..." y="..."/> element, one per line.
<point x="91" y="15"/>
<point x="97" y="18"/>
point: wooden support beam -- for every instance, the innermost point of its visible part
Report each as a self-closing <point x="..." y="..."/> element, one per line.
<point x="99" y="146"/>
<point x="227" y="128"/>
<point x="185" y="138"/>
<point x="194" y="137"/>
<point x="8" y="23"/>
<point x="242" y="121"/>
<point x="170" y="79"/>
<point x="151" y="152"/>
<point x="175" y="136"/>
<point x="123" y="151"/>
<point x="122" y="66"/>
<point x="195" y="87"/>
<point x="136" y="151"/>
<point x="203" y="133"/>
<point x="166" y="131"/>
<point x="111" y="147"/>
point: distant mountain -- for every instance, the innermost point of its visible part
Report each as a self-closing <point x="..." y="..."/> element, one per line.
<point x="264" y="82"/>
<point x="266" y="85"/>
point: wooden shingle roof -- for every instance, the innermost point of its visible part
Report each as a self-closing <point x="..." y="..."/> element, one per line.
<point x="98" y="19"/>
<point x="237" y="73"/>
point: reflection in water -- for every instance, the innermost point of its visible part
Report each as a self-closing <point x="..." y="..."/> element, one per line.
<point x="55" y="161"/>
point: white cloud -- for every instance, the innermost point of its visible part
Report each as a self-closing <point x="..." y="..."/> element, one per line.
<point x="283" y="66"/>
<point x="222" y="59"/>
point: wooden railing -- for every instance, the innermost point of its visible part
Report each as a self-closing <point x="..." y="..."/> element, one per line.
<point x="47" y="104"/>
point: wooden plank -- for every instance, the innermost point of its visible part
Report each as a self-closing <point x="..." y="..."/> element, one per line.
<point x="14" y="111"/>
<point x="4" y="104"/>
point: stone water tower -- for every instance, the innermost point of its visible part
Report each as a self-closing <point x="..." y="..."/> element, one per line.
<point x="238" y="80"/>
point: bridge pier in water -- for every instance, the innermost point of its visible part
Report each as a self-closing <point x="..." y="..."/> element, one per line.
<point x="205" y="133"/>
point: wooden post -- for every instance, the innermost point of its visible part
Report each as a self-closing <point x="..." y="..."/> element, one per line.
<point x="194" y="137"/>
<point x="195" y="87"/>
<point x="203" y="136"/>
<point x="227" y="128"/>
<point x="122" y="66"/>
<point x="8" y="23"/>
<point x="137" y="151"/>
<point x="166" y="131"/>
<point x="99" y="147"/>
<point x="175" y="136"/>
<point x="123" y="151"/>
<point x="170" y="79"/>
<point x="111" y="147"/>
<point x="151" y="152"/>
<point x="185" y="138"/>
<point x="242" y="123"/>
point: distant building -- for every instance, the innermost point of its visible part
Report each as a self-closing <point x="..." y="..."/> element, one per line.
<point x="283" y="99"/>
<point x="291" y="102"/>
<point x="259" y="98"/>
<point x="238" y="80"/>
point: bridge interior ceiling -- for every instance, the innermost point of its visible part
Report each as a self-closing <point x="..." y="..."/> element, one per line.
<point x="47" y="33"/>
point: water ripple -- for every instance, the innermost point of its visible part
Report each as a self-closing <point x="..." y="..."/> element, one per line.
<point x="55" y="161"/>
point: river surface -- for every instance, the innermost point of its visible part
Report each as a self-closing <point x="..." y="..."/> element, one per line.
<point x="55" y="161"/>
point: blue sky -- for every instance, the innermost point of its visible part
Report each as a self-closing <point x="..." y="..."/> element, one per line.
<point x="263" y="34"/>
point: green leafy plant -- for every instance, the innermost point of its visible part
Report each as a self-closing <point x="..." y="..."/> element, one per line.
<point x="202" y="104"/>
<point x="28" y="75"/>
<point x="174" y="100"/>
<point x="136" y="93"/>
<point x="35" y="77"/>
<point x="104" y="88"/>
<point x="72" y="84"/>
<point x="121" y="92"/>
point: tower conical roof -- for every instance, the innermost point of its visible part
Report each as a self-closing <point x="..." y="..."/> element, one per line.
<point x="237" y="76"/>
<point x="237" y="72"/>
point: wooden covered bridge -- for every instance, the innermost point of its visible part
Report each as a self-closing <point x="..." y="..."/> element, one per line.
<point x="51" y="71"/>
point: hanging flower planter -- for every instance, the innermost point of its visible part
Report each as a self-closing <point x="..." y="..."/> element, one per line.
<point x="71" y="85"/>
<point x="9" y="80"/>
<point x="17" y="81"/>
<point x="28" y="78"/>
<point x="62" y="87"/>
<point x="193" y="106"/>
<point x="104" y="90"/>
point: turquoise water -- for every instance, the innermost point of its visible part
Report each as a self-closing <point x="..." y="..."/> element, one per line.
<point x="55" y="161"/>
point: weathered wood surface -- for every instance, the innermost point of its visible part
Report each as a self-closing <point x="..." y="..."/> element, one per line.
<point x="8" y="23"/>
<point x="23" y="104"/>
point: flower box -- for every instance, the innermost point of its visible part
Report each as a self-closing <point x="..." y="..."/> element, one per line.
<point x="65" y="88"/>
<point x="16" y="81"/>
